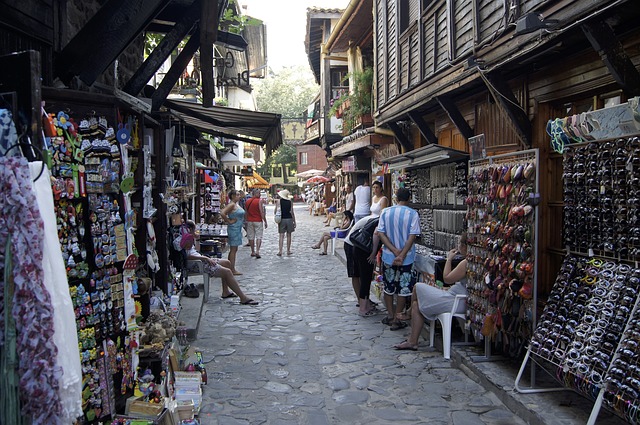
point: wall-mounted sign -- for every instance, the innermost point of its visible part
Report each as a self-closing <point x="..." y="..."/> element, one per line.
<point x="349" y="164"/>
<point x="476" y="145"/>
<point x="240" y="80"/>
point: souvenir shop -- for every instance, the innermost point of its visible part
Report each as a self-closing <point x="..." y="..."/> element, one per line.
<point x="493" y="200"/>
<point x="587" y="335"/>
<point x="85" y="336"/>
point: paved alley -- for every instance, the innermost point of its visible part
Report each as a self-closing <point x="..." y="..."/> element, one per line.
<point x="304" y="355"/>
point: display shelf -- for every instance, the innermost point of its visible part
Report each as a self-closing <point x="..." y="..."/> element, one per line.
<point x="502" y="238"/>
<point x="587" y="333"/>
<point x="417" y="206"/>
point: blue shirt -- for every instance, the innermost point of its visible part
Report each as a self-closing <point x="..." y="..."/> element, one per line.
<point x="398" y="223"/>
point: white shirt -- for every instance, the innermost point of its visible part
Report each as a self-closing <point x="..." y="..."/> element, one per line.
<point x="363" y="200"/>
<point x="376" y="208"/>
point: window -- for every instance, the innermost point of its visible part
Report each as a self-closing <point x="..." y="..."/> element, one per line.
<point x="303" y="158"/>
<point x="339" y="82"/>
<point x="403" y="14"/>
<point x="276" y="171"/>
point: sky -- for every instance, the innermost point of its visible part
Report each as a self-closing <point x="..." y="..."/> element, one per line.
<point x="286" y="22"/>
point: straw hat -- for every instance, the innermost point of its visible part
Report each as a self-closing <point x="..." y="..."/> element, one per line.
<point x="284" y="194"/>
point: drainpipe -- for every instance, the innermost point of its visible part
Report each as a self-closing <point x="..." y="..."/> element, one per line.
<point x="341" y="23"/>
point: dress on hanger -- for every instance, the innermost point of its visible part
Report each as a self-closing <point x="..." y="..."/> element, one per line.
<point x="21" y="229"/>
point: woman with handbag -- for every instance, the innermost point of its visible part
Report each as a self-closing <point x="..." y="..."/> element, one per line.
<point x="341" y="231"/>
<point x="361" y="247"/>
<point x="287" y="223"/>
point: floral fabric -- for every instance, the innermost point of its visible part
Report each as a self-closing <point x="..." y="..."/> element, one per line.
<point x="32" y="311"/>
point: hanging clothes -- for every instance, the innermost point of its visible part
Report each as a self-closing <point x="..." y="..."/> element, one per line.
<point x="8" y="134"/>
<point x="31" y="308"/>
<point x="55" y="281"/>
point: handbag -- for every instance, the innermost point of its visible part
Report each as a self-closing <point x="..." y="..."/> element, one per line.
<point x="278" y="217"/>
<point x="362" y="238"/>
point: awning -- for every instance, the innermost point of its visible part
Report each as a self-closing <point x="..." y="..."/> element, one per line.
<point x="427" y="155"/>
<point x="358" y="140"/>
<point x="256" y="181"/>
<point x="232" y="159"/>
<point x="259" y="128"/>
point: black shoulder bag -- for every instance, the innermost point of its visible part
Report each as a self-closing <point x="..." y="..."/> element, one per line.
<point x="362" y="238"/>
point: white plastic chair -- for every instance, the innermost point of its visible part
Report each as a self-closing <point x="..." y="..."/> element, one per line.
<point x="197" y="267"/>
<point x="446" y="321"/>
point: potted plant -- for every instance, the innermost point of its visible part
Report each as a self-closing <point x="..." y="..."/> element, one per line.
<point x="355" y="106"/>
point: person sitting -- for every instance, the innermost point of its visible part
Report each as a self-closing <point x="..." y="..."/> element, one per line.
<point x="214" y="267"/>
<point x="331" y="212"/>
<point x="430" y="301"/>
<point x="341" y="232"/>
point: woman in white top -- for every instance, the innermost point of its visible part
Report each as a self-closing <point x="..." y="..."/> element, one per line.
<point x="363" y="199"/>
<point x="378" y="201"/>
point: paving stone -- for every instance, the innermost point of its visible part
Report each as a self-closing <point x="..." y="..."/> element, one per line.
<point x="304" y="356"/>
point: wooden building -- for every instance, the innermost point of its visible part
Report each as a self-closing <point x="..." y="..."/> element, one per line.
<point x="450" y="70"/>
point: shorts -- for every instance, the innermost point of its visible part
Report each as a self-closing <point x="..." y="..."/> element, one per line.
<point x="341" y="234"/>
<point x="254" y="230"/>
<point x="286" y="226"/>
<point x="332" y="209"/>
<point x="399" y="279"/>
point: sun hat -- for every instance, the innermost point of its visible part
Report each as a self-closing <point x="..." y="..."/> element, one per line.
<point x="284" y="194"/>
<point x="186" y="238"/>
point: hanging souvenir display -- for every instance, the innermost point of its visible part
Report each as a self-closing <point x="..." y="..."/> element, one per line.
<point x="501" y="249"/>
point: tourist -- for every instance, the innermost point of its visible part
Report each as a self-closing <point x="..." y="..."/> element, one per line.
<point x="233" y="216"/>
<point x="287" y="223"/>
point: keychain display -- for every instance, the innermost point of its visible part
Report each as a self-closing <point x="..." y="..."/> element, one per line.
<point x="501" y="248"/>
<point x="436" y="192"/>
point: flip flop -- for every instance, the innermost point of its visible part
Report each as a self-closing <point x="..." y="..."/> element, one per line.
<point x="237" y="274"/>
<point x="289" y="253"/>
<point x="315" y="246"/>
<point x="404" y="345"/>
<point x="231" y="295"/>
<point x="258" y="256"/>
<point x="322" y="253"/>
<point x="253" y="254"/>
<point x="279" y="254"/>
<point x="250" y="302"/>
<point x="368" y="313"/>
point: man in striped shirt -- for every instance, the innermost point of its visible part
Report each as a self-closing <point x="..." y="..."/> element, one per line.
<point x="398" y="228"/>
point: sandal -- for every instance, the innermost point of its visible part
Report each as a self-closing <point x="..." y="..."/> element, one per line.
<point x="396" y="326"/>
<point x="322" y="253"/>
<point x="315" y="246"/>
<point x="258" y="256"/>
<point x="404" y="345"/>
<point x="387" y="320"/>
<point x="249" y="301"/>
<point x="368" y="313"/>
<point x="231" y="295"/>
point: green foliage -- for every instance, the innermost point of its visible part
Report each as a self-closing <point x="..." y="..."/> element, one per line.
<point x="285" y="154"/>
<point x="234" y="23"/>
<point x="288" y="92"/>
<point x="359" y="99"/>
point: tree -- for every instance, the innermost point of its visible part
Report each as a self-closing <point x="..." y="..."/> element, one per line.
<point x="288" y="93"/>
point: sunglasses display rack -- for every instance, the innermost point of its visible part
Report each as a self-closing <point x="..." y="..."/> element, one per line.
<point x="438" y="194"/>
<point x="602" y="198"/>
<point x="589" y="331"/>
<point x="501" y="235"/>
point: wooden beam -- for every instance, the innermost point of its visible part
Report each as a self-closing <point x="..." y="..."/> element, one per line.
<point x="423" y="127"/>
<point x="455" y="116"/>
<point x="170" y="79"/>
<point x="107" y="34"/>
<point x="604" y="41"/>
<point x="162" y="51"/>
<point x="208" y="36"/>
<point x="504" y="97"/>
<point x="404" y="141"/>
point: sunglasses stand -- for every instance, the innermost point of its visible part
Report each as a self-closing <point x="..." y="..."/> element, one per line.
<point x="502" y="239"/>
<point x="589" y="333"/>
